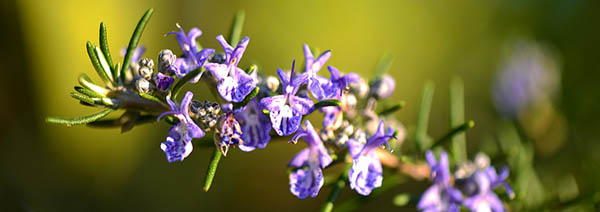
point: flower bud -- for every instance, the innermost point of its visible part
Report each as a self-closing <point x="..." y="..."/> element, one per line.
<point x="166" y="57"/>
<point x="218" y="58"/>
<point x="147" y="62"/>
<point x="382" y="87"/>
<point x="145" y="72"/>
<point x="272" y="83"/>
<point x="163" y="81"/>
<point x="206" y="113"/>
<point x="143" y="85"/>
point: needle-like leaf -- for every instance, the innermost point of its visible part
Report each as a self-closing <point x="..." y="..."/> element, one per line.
<point x="236" y="28"/>
<point x="105" y="50"/>
<point x="133" y="42"/>
<point x="91" y="50"/>
<point x="79" y="120"/>
<point x="421" y="138"/>
<point x="179" y="84"/>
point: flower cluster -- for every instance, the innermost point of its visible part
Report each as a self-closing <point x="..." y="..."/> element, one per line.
<point x="296" y="95"/>
<point x="471" y="186"/>
<point x="250" y="109"/>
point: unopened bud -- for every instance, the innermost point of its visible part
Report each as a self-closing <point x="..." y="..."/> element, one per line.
<point x="147" y="62"/>
<point x="166" y="57"/>
<point x="272" y="83"/>
<point x="382" y="87"/>
<point x="143" y="85"/>
<point x="145" y="72"/>
<point x="218" y="58"/>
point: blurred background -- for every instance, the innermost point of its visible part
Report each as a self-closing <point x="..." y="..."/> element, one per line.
<point x="549" y="48"/>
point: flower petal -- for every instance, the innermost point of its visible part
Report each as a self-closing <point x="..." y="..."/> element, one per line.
<point x="217" y="70"/>
<point x="306" y="182"/>
<point x="300" y="105"/>
<point x="365" y="174"/>
<point x="300" y="159"/>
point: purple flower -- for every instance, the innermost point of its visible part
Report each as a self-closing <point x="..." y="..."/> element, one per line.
<point x="484" y="198"/>
<point x="255" y="127"/>
<point x="230" y="132"/>
<point x="233" y="83"/>
<point x="163" y="81"/>
<point x="193" y="58"/>
<point x="176" y="147"/>
<point x="286" y="110"/>
<point x="481" y="196"/>
<point x="529" y="75"/>
<point x="441" y="196"/>
<point x="312" y="67"/>
<point x="178" y="143"/>
<point x="366" y="172"/>
<point x="307" y="179"/>
<point x="334" y="87"/>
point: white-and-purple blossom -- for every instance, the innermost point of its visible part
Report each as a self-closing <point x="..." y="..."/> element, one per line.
<point x="307" y="178"/>
<point x="229" y="132"/>
<point x="441" y="196"/>
<point x="481" y="196"/>
<point x="334" y="89"/>
<point x="193" y="58"/>
<point x="255" y="127"/>
<point x="286" y="110"/>
<point x="313" y="65"/>
<point x="366" y="172"/>
<point x="178" y="143"/>
<point x="233" y="83"/>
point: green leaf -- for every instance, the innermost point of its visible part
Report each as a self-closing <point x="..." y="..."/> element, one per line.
<point x="83" y="98"/>
<point x="105" y="66"/>
<point x="212" y="169"/>
<point x="421" y="138"/>
<point x="151" y="98"/>
<point x="79" y="120"/>
<point x="110" y="123"/>
<point x="133" y="42"/>
<point x="248" y="98"/>
<point x="87" y="92"/>
<point x="454" y="132"/>
<point x="236" y="28"/>
<point x="384" y="65"/>
<point x="86" y="82"/>
<point x="392" y="109"/>
<point x="327" y="103"/>
<point x="457" y="117"/>
<point x="252" y="69"/>
<point x="91" y="50"/>
<point x="190" y="75"/>
<point x="105" y="50"/>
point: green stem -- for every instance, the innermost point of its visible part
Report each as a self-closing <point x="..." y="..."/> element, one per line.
<point x="422" y="140"/>
<point x="236" y="28"/>
<point x="457" y="117"/>
<point x="454" y="132"/>
<point x="212" y="168"/>
<point x="337" y="189"/>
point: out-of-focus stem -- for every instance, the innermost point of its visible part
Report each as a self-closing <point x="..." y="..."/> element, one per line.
<point x="337" y="189"/>
<point x="415" y="171"/>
